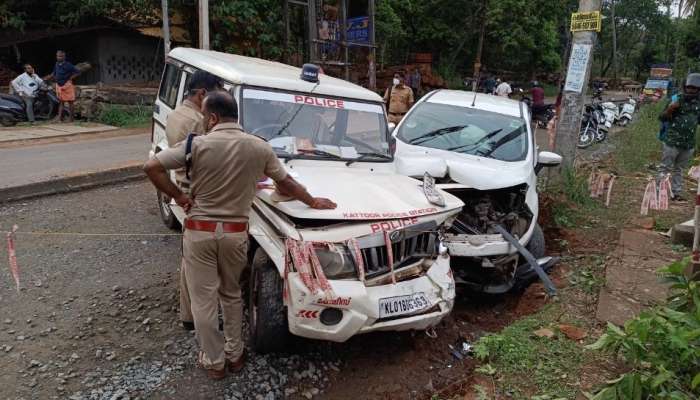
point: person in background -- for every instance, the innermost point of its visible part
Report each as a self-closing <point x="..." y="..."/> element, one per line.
<point x="26" y="86"/>
<point x="537" y="97"/>
<point x="503" y="89"/>
<point x="399" y="97"/>
<point x="489" y="85"/>
<point x="185" y="119"/>
<point x="414" y="82"/>
<point x="64" y="73"/>
<point x="681" y="118"/>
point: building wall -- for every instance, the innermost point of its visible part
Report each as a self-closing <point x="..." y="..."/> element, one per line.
<point x="128" y="57"/>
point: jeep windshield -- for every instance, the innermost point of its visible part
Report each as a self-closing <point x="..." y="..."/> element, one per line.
<point x="317" y="127"/>
<point x="466" y="130"/>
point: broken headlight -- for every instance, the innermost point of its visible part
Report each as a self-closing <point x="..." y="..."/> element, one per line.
<point x="337" y="261"/>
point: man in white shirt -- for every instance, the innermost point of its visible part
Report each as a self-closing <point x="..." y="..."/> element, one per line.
<point x="26" y="86"/>
<point x="503" y="89"/>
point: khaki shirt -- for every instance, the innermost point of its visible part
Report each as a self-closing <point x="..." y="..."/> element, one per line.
<point x="185" y="119"/>
<point x="226" y="165"/>
<point x="401" y="99"/>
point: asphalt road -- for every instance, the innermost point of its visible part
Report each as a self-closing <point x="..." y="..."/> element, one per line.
<point x="43" y="162"/>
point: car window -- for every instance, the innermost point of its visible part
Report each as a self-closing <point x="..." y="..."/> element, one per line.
<point x="314" y="126"/>
<point x="169" y="85"/>
<point x="466" y="130"/>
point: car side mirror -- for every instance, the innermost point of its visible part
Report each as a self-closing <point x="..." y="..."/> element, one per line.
<point x="391" y="127"/>
<point x="547" y="159"/>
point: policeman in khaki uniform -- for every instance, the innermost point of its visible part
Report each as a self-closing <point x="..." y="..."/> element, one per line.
<point x="225" y="166"/>
<point x="185" y="119"/>
<point x="399" y="97"/>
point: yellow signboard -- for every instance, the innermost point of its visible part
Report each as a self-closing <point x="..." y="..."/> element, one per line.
<point x="585" y="21"/>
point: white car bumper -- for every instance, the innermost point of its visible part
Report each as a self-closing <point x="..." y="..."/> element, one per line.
<point x="483" y="245"/>
<point x="360" y="305"/>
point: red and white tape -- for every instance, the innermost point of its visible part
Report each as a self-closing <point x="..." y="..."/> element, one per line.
<point x="12" y="255"/>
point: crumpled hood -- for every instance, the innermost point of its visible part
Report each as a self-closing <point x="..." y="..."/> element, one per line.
<point x="472" y="171"/>
<point x="360" y="194"/>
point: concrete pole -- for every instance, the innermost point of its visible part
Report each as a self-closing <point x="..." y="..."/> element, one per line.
<point x="204" y="24"/>
<point x="574" y="100"/>
<point x="166" y="28"/>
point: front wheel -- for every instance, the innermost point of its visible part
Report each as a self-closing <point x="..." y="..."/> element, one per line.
<point x="7" y="119"/>
<point x="586" y="137"/>
<point x="269" y="331"/>
<point x="166" y="213"/>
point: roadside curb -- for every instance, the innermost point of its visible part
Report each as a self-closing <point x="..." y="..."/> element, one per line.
<point x="68" y="137"/>
<point x="71" y="183"/>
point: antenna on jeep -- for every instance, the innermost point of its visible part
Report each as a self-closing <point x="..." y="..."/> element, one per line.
<point x="475" y="88"/>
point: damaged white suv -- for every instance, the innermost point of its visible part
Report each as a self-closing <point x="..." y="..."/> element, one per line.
<point x="378" y="261"/>
<point x="481" y="149"/>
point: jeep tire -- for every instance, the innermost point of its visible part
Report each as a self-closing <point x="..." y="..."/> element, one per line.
<point x="536" y="244"/>
<point x="166" y="213"/>
<point x="269" y="331"/>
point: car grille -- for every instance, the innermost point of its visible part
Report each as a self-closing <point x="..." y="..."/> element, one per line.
<point x="408" y="246"/>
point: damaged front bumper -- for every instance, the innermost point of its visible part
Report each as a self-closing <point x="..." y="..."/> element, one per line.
<point x="353" y="308"/>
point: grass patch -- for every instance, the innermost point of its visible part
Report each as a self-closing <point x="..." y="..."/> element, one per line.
<point x="126" y="116"/>
<point x="527" y="365"/>
<point x="639" y="146"/>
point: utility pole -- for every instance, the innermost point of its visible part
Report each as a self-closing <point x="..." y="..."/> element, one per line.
<point x="166" y="28"/>
<point x="578" y="74"/>
<point x="204" y="24"/>
<point x="479" y="48"/>
<point x="614" y="40"/>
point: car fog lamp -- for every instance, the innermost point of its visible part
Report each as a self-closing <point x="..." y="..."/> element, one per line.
<point x="337" y="262"/>
<point x="331" y="316"/>
<point x="442" y="250"/>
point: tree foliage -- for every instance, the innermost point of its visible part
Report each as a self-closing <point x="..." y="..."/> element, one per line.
<point x="527" y="37"/>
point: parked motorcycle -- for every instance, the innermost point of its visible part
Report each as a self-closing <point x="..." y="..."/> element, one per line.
<point x="627" y="111"/>
<point x="611" y="113"/>
<point x="13" y="108"/>
<point x="591" y="123"/>
<point x="540" y="115"/>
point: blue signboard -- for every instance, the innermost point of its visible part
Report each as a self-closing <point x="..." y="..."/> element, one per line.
<point x="358" y="30"/>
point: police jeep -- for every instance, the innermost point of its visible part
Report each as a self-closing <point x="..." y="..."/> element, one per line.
<point x="377" y="262"/>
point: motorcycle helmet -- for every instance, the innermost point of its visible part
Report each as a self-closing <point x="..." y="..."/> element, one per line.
<point x="692" y="86"/>
<point x="693" y="80"/>
<point x="535" y="83"/>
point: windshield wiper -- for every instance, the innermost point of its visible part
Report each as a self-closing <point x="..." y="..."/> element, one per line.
<point x="505" y="139"/>
<point x="437" y="132"/>
<point x="478" y="142"/>
<point x="318" y="152"/>
<point x="364" y="156"/>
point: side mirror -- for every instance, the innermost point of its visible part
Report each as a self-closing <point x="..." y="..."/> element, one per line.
<point x="547" y="159"/>
<point x="391" y="127"/>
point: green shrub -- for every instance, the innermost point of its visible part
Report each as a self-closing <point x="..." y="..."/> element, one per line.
<point x="661" y="346"/>
<point x="125" y="116"/>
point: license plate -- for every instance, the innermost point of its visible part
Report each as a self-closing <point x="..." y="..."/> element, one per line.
<point x="401" y="305"/>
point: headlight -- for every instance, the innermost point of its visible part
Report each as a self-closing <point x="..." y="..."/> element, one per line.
<point x="337" y="262"/>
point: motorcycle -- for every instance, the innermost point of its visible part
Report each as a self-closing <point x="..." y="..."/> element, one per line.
<point x="627" y="110"/>
<point x="540" y="115"/>
<point x="591" y="123"/>
<point x="611" y="113"/>
<point x="14" y="110"/>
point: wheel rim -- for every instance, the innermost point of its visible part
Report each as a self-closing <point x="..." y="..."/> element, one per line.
<point x="165" y="205"/>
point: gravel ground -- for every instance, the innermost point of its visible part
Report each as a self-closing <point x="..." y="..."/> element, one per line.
<point x="96" y="318"/>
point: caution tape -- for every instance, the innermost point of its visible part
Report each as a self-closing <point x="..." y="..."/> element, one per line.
<point x="12" y="256"/>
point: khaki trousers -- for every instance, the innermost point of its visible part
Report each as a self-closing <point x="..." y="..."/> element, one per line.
<point x="213" y="264"/>
<point x="185" y="304"/>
